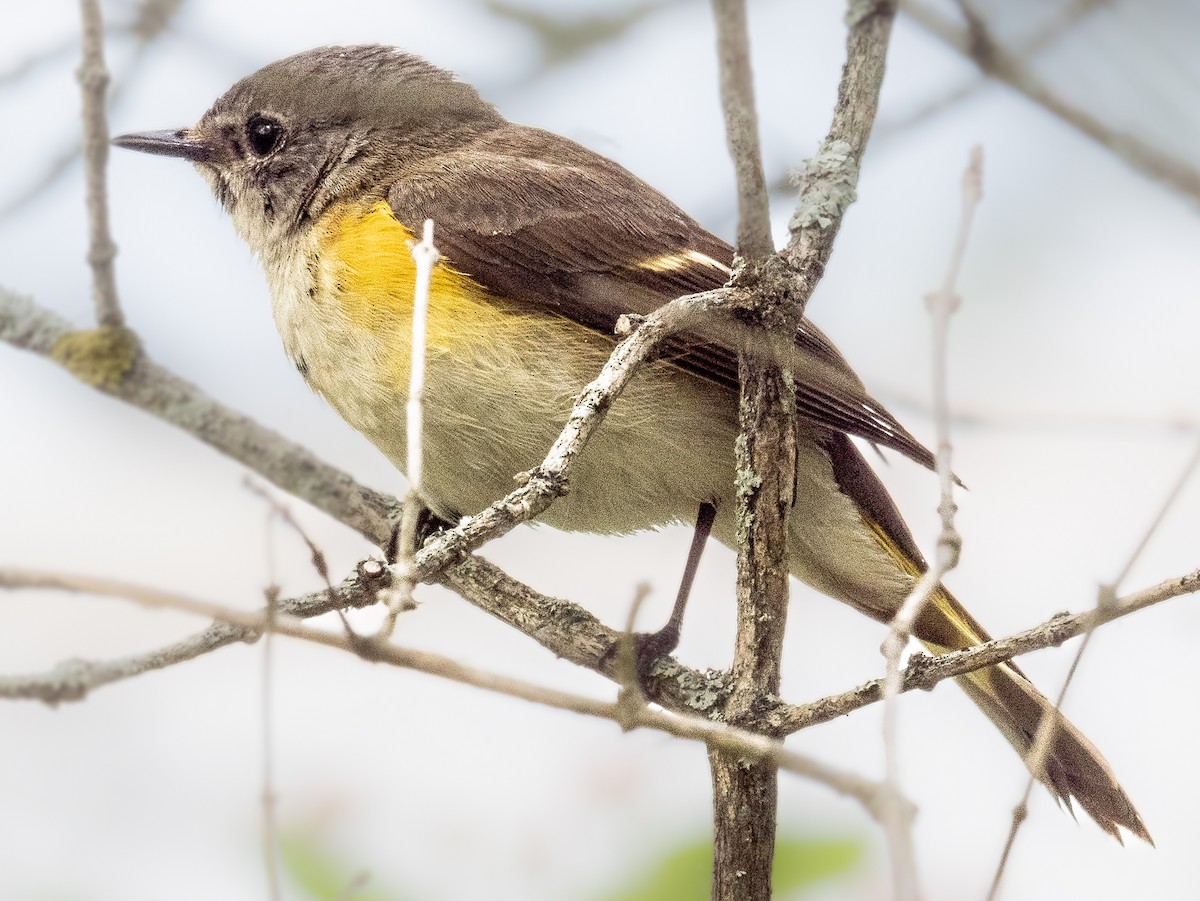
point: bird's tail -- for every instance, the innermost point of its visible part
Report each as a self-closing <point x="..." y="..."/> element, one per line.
<point x="1073" y="768"/>
<point x="853" y="545"/>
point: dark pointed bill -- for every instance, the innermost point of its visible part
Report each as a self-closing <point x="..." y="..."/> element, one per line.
<point x="165" y="143"/>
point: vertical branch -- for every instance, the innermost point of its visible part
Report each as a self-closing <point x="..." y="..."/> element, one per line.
<point x="745" y="794"/>
<point x="93" y="81"/>
<point x="270" y="825"/>
<point x="741" y="129"/>
<point x="942" y="306"/>
<point x="425" y="256"/>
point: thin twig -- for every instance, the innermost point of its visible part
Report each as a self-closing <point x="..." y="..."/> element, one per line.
<point x="1106" y="601"/>
<point x="829" y="181"/>
<point x="741" y="129"/>
<point x="159" y="392"/>
<point x="562" y="627"/>
<point x="748" y="745"/>
<point x="400" y="597"/>
<point x="93" y="81"/>
<point x="630" y="699"/>
<point x="571" y="633"/>
<point x="942" y="306"/>
<point x="269" y="796"/>
<point x="1057" y="24"/>
<point x="151" y="19"/>
<point x="550" y="479"/>
<point x="975" y="43"/>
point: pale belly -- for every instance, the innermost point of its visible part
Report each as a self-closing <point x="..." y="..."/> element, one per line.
<point x="498" y="393"/>
<point x="665" y="447"/>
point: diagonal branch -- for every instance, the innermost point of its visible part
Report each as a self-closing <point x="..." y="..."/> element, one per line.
<point x="739" y="742"/>
<point x="976" y="43"/>
<point x="924" y="672"/>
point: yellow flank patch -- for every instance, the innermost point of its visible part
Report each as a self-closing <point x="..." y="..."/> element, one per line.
<point x="366" y="257"/>
<point x="893" y="549"/>
<point x="672" y="262"/>
<point x="939" y="598"/>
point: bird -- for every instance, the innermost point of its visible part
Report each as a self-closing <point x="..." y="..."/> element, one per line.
<point x="329" y="161"/>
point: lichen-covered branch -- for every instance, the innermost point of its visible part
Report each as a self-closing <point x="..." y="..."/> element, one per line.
<point x="742" y="744"/>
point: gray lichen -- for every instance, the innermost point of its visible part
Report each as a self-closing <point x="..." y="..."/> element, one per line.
<point x="826" y="183"/>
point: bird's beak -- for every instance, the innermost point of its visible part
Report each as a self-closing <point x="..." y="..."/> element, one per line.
<point x="178" y="143"/>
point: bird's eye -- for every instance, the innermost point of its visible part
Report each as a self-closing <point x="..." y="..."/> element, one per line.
<point x="263" y="134"/>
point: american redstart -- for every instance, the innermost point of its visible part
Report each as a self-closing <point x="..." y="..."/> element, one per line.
<point x="329" y="162"/>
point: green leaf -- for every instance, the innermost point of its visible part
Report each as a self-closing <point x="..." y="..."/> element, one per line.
<point x="686" y="873"/>
<point x="801" y="862"/>
<point x="322" y="876"/>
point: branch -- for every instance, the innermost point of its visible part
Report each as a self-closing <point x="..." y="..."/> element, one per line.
<point x="942" y="306"/>
<point x="155" y="390"/>
<point x="1106" y="597"/>
<point x="741" y="129"/>
<point x="745" y="798"/>
<point x="827" y="186"/>
<point x="975" y="43"/>
<point x="564" y="628"/>
<point x="93" y="80"/>
<point x="550" y="479"/>
<point x="744" y="744"/>
<point x="924" y="672"/>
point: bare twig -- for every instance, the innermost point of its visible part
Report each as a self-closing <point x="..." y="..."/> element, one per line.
<point x="741" y="129"/>
<point x="766" y="450"/>
<point x="747" y="745"/>
<point x="571" y="633"/>
<point x="1062" y="20"/>
<point x="942" y="306"/>
<point x="975" y="43"/>
<point x="400" y="598"/>
<point x="630" y="699"/>
<point x="163" y="394"/>
<point x="924" y="672"/>
<point x="549" y="480"/>
<point x="74" y="680"/>
<point x="151" y="19"/>
<point x="827" y="185"/>
<point x="1106" y="602"/>
<point x="562" y="627"/>
<point x="269" y="797"/>
<point x="93" y="79"/>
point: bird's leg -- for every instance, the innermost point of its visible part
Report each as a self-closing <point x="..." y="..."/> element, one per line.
<point x="428" y="525"/>
<point x="650" y="646"/>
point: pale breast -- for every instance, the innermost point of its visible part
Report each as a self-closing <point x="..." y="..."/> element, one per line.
<point x="500" y="385"/>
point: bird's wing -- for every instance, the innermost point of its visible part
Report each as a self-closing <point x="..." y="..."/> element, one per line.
<point x="539" y="220"/>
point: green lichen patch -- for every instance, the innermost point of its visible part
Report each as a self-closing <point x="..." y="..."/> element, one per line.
<point x="99" y="357"/>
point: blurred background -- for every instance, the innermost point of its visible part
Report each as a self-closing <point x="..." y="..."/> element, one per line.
<point x="1074" y="375"/>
